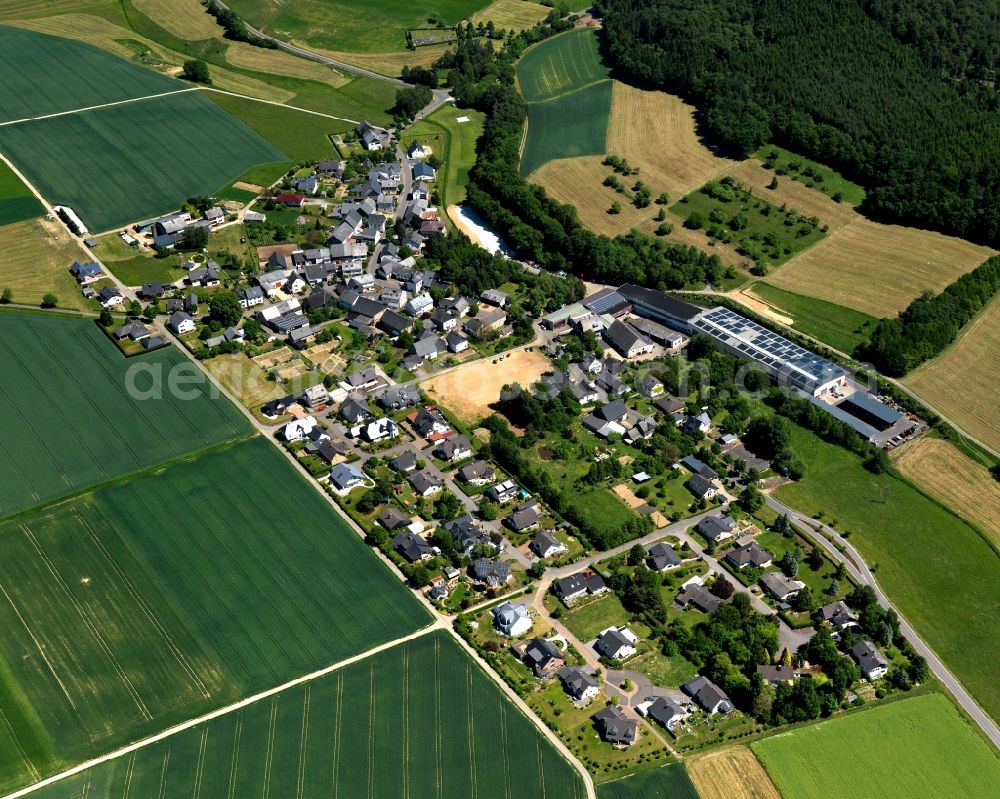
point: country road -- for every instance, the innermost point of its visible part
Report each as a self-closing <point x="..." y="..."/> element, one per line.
<point x="842" y="551"/>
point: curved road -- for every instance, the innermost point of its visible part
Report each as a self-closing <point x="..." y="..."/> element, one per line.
<point x="842" y="551"/>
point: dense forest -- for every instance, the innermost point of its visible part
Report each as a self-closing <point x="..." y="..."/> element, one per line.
<point x="536" y="226"/>
<point x="931" y="322"/>
<point x="856" y="84"/>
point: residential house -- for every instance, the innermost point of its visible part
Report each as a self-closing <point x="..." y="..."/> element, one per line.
<point x="717" y="528"/>
<point x="503" y="492"/>
<point x="492" y="572"/>
<point x="420" y="304"/>
<point x="775" y="675"/>
<point x="379" y="430"/>
<point x="153" y="291"/>
<point x="581" y="686"/>
<point x="649" y="387"/>
<point x="500" y="299"/>
<point x="454" y="448"/>
<point x="443" y="320"/>
<point x="701" y="423"/>
<point x="315" y="396"/>
<point x="616" y="643"/>
<point x="354" y="411"/>
<point x="299" y="429"/>
<point x="425" y="484"/>
<point x="109" y="297"/>
<point x="477" y="473"/>
<point x="486" y="321"/>
<point x="695" y="466"/>
<point x="580" y="584"/>
<point x="511" y="620"/>
<point x="873" y="666"/>
<point x="423" y="172"/>
<point x="278" y="407"/>
<point x="393" y="297"/>
<point x="134" y="331"/>
<point x="750" y="554"/>
<point x="779" y="586"/>
<point x="707" y="695"/>
<point x="456" y="342"/>
<point x="344" y="477"/>
<point x="838" y="615"/>
<point x="546" y="545"/>
<point x="215" y="216"/>
<point x="394" y="324"/>
<point x="429" y="424"/>
<point x="697" y="597"/>
<point x="290" y="200"/>
<point x="670" y="405"/>
<point x="468" y="534"/>
<point x="181" y="323"/>
<point x="524" y="518"/>
<point x="404" y="463"/>
<point x="372" y="137"/>
<point x="666" y="712"/>
<point x="418" y="151"/>
<point x="398" y="397"/>
<point x="608" y="419"/>
<point x="615" y="727"/>
<point x="543" y="658"/>
<point x="428" y="347"/>
<point x="700" y="487"/>
<point x="412" y="547"/>
<point x="250" y="297"/>
<point x="662" y="557"/>
<point x="364" y="379"/>
<point x="457" y="306"/>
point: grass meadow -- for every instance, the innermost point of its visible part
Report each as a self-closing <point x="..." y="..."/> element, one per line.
<point x="560" y="65"/>
<point x="156" y="599"/>
<point x="511" y="15"/>
<point x="17" y="203"/>
<point x="453" y="141"/>
<point x="47" y="75"/>
<point x="572" y="125"/>
<point x="925" y="558"/>
<point x="37" y="254"/>
<point x="915" y="747"/>
<point x="71" y="424"/>
<point x="671" y="780"/>
<point x="420" y="720"/>
<point x="118" y="164"/>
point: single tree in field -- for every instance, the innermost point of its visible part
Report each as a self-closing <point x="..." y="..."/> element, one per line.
<point x="50" y="301"/>
<point x="196" y="70"/>
<point x="7" y="296"/>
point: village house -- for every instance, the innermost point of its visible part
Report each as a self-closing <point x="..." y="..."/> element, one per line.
<point x="871" y="663"/>
<point x="543" y="657"/>
<point x="615" y="727"/>
<point x="546" y="545"/>
<point x="581" y="686"/>
<point x="708" y="695"/>
<point x="616" y="643"/>
<point x="511" y="620"/>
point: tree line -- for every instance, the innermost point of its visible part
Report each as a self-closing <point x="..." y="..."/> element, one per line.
<point x="826" y="79"/>
<point x="930" y="323"/>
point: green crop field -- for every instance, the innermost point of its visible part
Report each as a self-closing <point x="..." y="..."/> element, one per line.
<point x="420" y="720"/>
<point x="342" y="25"/>
<point x="667" y="781"/>
<point x="574" y="124"/>
<point x="48" y="75"/>
<point x="454" y="142"/>
<point x="152" y="600"/>
<point x="840" y="327"/>
<point x="561" y="65"/>
<point x="126" y="162"/>
<point x="17" y="203"/>
<point x="915" y="747"/>
<point x="69" y="421"/>
<point x="925" y="557"/>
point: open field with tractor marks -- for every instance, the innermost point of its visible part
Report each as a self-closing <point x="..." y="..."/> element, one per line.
<point x="46" y="75"/>
<point x="71" y="422"/>
<point x="667" y="781"/>
<point x="878" y="269"/>
<point x="560" y="65"/>
<point x="419" y="720"/>
<point x="17" y="203"/>
<point x="126" y="162"/>
<point x="156" y="599"/>
<point x="953" y="479"/>
<point x="511" y="15"/>
<point x="924" y="556"/>
<point x="730" y="773"/>
<point x="914" y="747"/>
<point x="571" y="125"/>
<point x="37" y="254"/>
<point x="961" y="382"/>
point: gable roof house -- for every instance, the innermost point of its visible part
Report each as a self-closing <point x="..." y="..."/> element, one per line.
<point x="354" y="411"/>
<point x="425" y="484"/>
<point x="579" y="584"/>
<point x="468" y="534"/>
<point x="626" y="340"/>
<point x="379" y="430"/>
<point x="399" y="397"/>
<point x="393" y="324"/>
<point x="134" y="331"/>
<point x="616" y="643"/>
<point x="412" y="547"/>
<point x="779" y="586"/>
<point x="873" y="666"/>
<point x="699" y="598"/>
<point x="250" y="297"/>
<point x="180" y="322"/>
<point x="511" y="620"/>
<point x="695" y="466"/>
<point x="615" y="727"/>
<point x="838" y="615"/>
<point x="662" y="557"/>
<point x="428" y="423"/>
<point x="717" y="528"/>
<point x="344" y="477"/>
<point x="456" y="342"/>
<point x="428" y="347"/>
<point x="580" y="685"/>
<point x="700" y="487"/>
<point x="543" y="657"/>
<point x="404" y="463"/>
<point x="546" y="545"/>
<point x="751" y="554"/>
<point x="491" y="572"/>
<point x="701" y="423"/>
<point x="109" y="296"/>
<point x="85" y="273"/>
<point x="454" y="448"/>
<point x="649" y="386"/>
<point x="477" y="473"/>
<point x="523" y="519"/>
<point x="710" y="697"/>
<point x="666" y="712"/>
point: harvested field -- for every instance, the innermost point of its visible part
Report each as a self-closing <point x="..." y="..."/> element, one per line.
<point x="961" y="382"/>
<point x="953" y="479"/>
<point x="878" y="269"/>
<point x="809" y="202"/>
<point x="730" y="773"/>
<point x="242" y="378"/>
<point x="37" y="254"/>
<point x="626" y="495"/>
<point x="47" y="75"/>
<point x="511" y="15"/>
<point x="420" y="720"/>
<point x="253" y="188"/>
<point x="185" y="19"/>
<point x="469" y="390"/>
<point x="279" y="62"/>
<point x="208" y="149"/>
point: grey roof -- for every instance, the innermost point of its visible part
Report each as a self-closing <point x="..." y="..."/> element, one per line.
<point x="615" y="409"/>
<point x="539" y="653"/>
<point x="543" y="541"/>
<point x="522" y="519"/>
<point x="406" y="462"/>
<point x="575" y="680"/>
<point x="706" y="693"/>
<point x="779" y="585"/>
<point x="665" y="711"/>
<point x="451" y="447"/>
<point x="699" y="467"/>
<point x="399" y="397"/>
<point x="751" y="554"/>
<point x="837" y="613"/>
<point x="611" y="643"/>
<point x="344" y="474"/>
<point x="412" y="547"/>
<point x="492" y="571"/>
<point x="868" y="657"/>
<point x="703" y="600"/>
<point x="663" y="556"/>
<point x="615" y="726"/>
<point x="712" y="527"/>
<point x="423" y="482"/>
<point x="699" y="485"/>
<point x="624" y="338"/>
<point x="392" y="518"/>
<point x="477" y="470"/>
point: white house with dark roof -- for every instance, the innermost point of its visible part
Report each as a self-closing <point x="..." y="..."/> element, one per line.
<point x="871" y="663"/>
<point x="511" y="620"/>
<point x="616" y="643"/>
<point x="710" y="697"/>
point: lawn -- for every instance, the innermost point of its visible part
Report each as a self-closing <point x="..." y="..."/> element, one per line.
<point x="841" y="328"/>
<point x="421" y="720"/>
<point x="17" y="203"/>
<point x="127" y="162"/>
<point x="37" y="254"/>
<point x="454" y="142"/>
<point x="586" y="621"/>
<point x="151" y="600"/>
<point x="301" y="135"/>
<point x="71" y="422"/>
<point x="341" y="25"/>
<point x="667" y="672"/>
<point x="571" y="125"/>
<point x="560" y="65"/>
<point x="668" y="781"/>
<point x="925" y="557"/>
<point x="48" y="75"/>
<point x="915" y="747"/>
<point x="759" y="230"/>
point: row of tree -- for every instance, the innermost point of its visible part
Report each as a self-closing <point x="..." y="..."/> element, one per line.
<point x="826" y="79"/>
